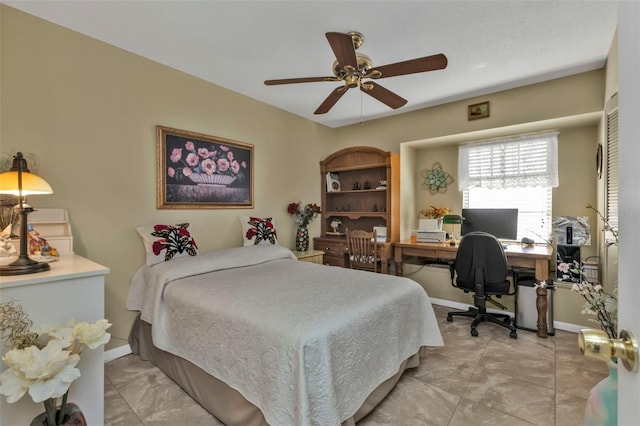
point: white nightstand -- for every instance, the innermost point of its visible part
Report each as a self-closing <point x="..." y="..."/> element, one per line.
<point x="73" y="288"/>
<point x="313" y="256"/>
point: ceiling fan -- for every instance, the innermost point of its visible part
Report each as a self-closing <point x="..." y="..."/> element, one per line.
<point x="353" y="67"/>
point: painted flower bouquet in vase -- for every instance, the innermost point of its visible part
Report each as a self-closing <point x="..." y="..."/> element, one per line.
<point x="42" y="361"/>
<point x="303" y="215"/>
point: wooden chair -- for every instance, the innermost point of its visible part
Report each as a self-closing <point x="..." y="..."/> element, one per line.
<point x="363" y="250"/>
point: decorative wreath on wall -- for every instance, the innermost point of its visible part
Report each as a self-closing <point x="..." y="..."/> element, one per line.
<point x="435" y="180"/>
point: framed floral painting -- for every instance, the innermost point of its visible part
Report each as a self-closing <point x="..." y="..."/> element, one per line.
<point x="197" y="171"/>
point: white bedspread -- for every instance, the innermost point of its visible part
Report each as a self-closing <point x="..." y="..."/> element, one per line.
<point x="305" y="343"/>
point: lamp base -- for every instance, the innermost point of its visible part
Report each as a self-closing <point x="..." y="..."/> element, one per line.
<point x="23" y="266"/>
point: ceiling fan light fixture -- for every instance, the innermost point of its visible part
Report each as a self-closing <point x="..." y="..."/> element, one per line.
<point x="364" y="66"/>
<point x="353" y="67"/>
<point x="352" y="80"/>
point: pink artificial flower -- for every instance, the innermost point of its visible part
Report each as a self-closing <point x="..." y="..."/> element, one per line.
<point x="244" y="164"/>
<point x="230" y="155"/>
<point x="187" y="171"/>
<point x="563" y="267"/>
<point x="171" y="172"/>
<point x="224" y="148"/>
<point x="189" y="145"/>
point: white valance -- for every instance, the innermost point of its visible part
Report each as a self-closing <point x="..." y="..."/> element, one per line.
<point x="524" y="161"/>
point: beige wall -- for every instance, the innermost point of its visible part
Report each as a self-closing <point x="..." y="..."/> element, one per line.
<point x="89" y="110"/>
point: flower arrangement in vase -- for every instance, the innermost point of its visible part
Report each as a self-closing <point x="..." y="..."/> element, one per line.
<point x="433" y="217"/>
<point x="433" y="212"/>
<point x="303" y="215"/>
<point x="42" y="361"/>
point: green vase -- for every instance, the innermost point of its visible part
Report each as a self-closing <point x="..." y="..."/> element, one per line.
<point x="602" y="403"/>
<point x="302" y="238"/>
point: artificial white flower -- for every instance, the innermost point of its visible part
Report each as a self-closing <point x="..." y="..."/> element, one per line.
<point x="47" y="332"/>
<point x="46" y="373"/>
<point x="92" y="335"/>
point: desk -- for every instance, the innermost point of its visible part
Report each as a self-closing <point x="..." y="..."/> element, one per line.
<point x="536" y="257"/>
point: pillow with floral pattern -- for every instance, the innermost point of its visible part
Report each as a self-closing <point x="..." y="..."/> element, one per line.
<point x="166" y="242"/>
<point x="258" y="230"/>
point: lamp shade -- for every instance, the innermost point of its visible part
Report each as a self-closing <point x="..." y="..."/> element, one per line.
<point x="31" y="184"/>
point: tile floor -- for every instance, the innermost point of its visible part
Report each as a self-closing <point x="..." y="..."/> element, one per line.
<point x="487" y="380"/>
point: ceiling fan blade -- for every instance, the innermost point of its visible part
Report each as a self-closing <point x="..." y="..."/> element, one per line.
<point x="299" y="80"/>
<point x="385" y="96"/>
<point x="412" y="66"/>
<point x="342" y="46"/>
<point x="331" y="100"/>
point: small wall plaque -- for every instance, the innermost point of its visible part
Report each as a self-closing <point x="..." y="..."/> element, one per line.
<point x="477" y="111"/>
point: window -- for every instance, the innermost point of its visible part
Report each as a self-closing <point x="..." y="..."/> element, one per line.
<point x="517" y="172"/>
<point x="533" y="204"/>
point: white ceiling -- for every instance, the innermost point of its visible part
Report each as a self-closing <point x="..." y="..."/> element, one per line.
<point x="490" y="45"/>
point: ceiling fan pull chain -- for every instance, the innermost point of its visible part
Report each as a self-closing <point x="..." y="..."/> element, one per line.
<point x="361" y="119"/>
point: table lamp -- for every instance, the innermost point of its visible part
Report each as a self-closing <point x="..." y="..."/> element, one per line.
<point x="454" y="219"/>
<point x="20" y="182"/>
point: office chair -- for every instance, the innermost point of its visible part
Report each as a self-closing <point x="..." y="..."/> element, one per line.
<point x="481" y="267"/>
<point x="363" y="250"/>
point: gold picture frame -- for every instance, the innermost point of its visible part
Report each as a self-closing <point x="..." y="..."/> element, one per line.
<point x="198" y="171"/>
<point x="476" y="111"/>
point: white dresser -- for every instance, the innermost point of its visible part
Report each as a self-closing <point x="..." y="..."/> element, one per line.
<point x="73" y="288"/>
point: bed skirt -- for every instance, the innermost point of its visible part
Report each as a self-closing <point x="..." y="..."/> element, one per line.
<point x="225" y="403"/>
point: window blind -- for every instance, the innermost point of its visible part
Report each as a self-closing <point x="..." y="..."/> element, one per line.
<point x="612" y="162"/>
<point x="524" y="161"/>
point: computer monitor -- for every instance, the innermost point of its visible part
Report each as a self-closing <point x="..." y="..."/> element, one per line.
<point x="501" y="223"/>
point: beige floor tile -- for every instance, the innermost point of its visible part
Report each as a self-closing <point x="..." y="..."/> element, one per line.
<point x="517" y="397"/>
<point x="569" y="410"/>
<point x="476" y="414"/>
<point x="116" y="410"/>
<point x="416" y="403"/>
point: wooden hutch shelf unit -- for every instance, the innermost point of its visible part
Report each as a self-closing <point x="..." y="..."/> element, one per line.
<point x="355" y="194"/>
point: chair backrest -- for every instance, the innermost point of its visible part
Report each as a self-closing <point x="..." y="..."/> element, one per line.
<point x="363" y="250"/>
<point x="480" y="256"/>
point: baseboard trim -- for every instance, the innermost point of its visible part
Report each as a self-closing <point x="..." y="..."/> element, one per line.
<point x="558" y="325"/>
<point x="118" y="352"/>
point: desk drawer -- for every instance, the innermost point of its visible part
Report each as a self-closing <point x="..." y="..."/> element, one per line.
<point x="334" y="250"/>
<point x="335" y="261"/>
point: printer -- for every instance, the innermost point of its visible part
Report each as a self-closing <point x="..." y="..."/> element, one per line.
<point x="423" y="236"/>
<point x="429" y="232"/>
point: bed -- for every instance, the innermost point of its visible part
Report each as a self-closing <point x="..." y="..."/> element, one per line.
<point x="257" y="337"/>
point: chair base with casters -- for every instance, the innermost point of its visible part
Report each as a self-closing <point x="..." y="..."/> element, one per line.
<point x="503" y="320"/>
